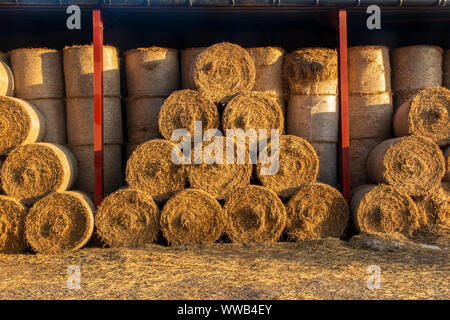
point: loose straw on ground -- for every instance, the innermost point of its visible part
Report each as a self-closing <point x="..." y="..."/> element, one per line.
<point x="12" y="225"/>
<point x="127" y="218"/>
<point x="6" y="80"/>
<point x="60" y="222"/>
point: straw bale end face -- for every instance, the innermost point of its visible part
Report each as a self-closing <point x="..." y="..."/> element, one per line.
<point x="12" y="225"/>
<point x="6" y="80"/>
<point x="435" y="205"/>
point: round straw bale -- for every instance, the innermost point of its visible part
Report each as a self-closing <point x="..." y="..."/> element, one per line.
<point x="54" y="114"/>
<point x="269" y="70"/>
<point x="382" y="208"/>
<point x="402" y="96"/>
<point x="427" y="114"/>
<point x="38" y="73"/>
<point x="6" y="80"/>
<point x="435" y="205"/>
<point x="20" y="123"/>
<point x="192" y="217"/>
<point x="369" y="69"/>
<point x="316" y="211"/>
<point x="313" y="117"/>
<point x="182" y="108"/>
<point x="447" y="69"/>
<point x="413" y="165"/>
<point x="151" y="168"/>
<point x="127" y="218"/>
<point x="142" y="118"/>
<point x="112" y="170"/>
<point x="220" y="179"/>
<point x="80" y="120"/>
<point x="253" y="110"/>
<point x="311" y="71"/>
<point x="371" y="115"/>
<point x="4" y="57"/>
<point x="447" y="163"/>
<point x="12" y="225"/>
<point x="359" y="152"/>
<point x="328" y="157"/>
<point x="79" y="71"/>
<point x="32" y="171"/>
<point x="188" y="57"/>
<point x="223" y="70"/>
<point x="254" y="214"/>
<point x="152" y="71"/>
<point x="60" y="222"/>
<point x="417" y="67"/>
<point x="297" y="163"/>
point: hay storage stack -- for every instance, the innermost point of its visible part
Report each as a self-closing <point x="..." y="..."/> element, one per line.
<point x="370" y="105"/>
<point x="415" y="67"/>
<point x="12" y="225"/>
<point x="78" y="72"/>
<point x="447" y="69"/>
<point x="188" y="58"/>
<point x="127" y="218"/>
<point x="316" y="211"/>
<point x="435" y="205"/>
<point x="427" y="114"/>
<point x="312" y="111"/>
<point x="447" y="164"/>
<point x="142" y="118"/>
<point x="60" y="222"/>
<point x="192" y="216"/>
<point x="6" y="80"/>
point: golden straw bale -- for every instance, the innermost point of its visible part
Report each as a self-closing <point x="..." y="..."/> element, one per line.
<point x="402" y="96"/>
<point x="327" y="152"/>
<point x="427" y="114"/>
<point x="127" y="218"/>
<point x="60" y="222"/>
<point x="223" y="70"/>
<point x="435" y="205"/>
<point x="316" y="211"/>
<point x="447" y="163"/>
<point x="359" y="153"/>
<point x="142" y="118"/>
<point x="152" y="71"/>
<point x="254" y="214"/>
<point x="54" y="113"/>
<point x="6" y="80"/>
<point x="4" y="57"/>
<point x="188" y="58"/>
<point x="413" y="165"/>
<point x="20" y="123"/>
<point x="12" y="225"/>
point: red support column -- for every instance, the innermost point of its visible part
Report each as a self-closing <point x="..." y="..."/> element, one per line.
<point x="98" y="104"/>
<point x="344" y="142"/>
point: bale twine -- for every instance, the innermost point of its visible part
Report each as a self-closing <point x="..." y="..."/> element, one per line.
<point x="435" y="205"/>
<point x="413" y="165"/>
<point x="127" y="218"/>
<point x="359" y="152"/>
<point x="80" y="120"/>
<point x="79" y="71"/>
<point x="6" y="80"/>
<point x="416" y="67"/>
<point x="298" y="164"/>
<point x="192" y="217"/>
<point x="12" y="225"/>
<point x="402" y="96"/>
<point x="447" y="69"/>
<point x="269" y="70"/>
<point x="32" y="171"/>
<point x="384" y="209"/>
<point x="312" y="117"/>
<point x="142" y="118"/>
<point x="60" y="222"/>
<point x="223" y="70"/>
<point x="54" y="114"/>
<point x="20" y="123"/>
<point x="254" y="214"/>
<point x="112" y="169"/>
<point x="188" y="57"/>
<point x="38" y="73"/>
<point x="220" y="179"/>
<point x="316" y="211"/>
<point x="328" y="162"/>
<point x="4" y="57"/>
<point x="311" y="71"/>
<point x="152" y="71"/>
<point x="369" y="69"/>
<point x="447" y="163"/>
<point x="182" y="108"/>
<point x="370" y="115"/>
<point x="253" y="110"/>
<point x="427" y="114"/>
<point x="151" y="169"/>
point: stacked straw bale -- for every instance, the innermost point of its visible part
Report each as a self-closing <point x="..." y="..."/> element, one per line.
<point x="447" y="69"/>
<point x="6" y="80"/>
<point x="12" y="225"/>
<point x="447" y="163"/>
<point x="188" y="58"/>
<point x="78" y="72"/>
<point x="312" y="110"/>
<point x="4" y="57"/>
<point x="370" y="105"/>
<point x="414" y="68"/>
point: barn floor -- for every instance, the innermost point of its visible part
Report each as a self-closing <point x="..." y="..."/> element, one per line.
<point x="325" y="269"/>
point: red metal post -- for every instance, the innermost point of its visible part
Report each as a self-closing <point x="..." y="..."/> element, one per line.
<point x="344" y="142"/>
<point x="98" y="105"/>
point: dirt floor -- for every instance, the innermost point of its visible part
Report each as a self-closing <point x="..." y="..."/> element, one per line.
<point x="325" y="269"/>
